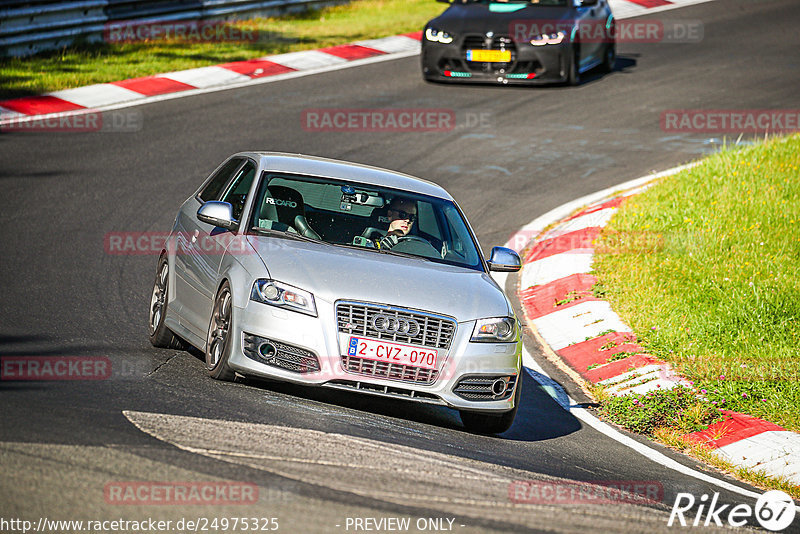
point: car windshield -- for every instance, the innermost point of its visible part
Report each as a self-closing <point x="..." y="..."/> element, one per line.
<point x="368" y="217"/>
<point x="559" y="3"/>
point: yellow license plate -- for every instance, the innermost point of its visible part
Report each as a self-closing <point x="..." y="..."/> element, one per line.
<point x="489" y="56"/>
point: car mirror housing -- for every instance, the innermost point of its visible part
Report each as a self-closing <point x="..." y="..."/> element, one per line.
<point x="586" y="3"/>
<point x="217" y="213"/>
<point x="504" y="260"/>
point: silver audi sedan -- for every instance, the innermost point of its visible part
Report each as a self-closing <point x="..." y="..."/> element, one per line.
<point x="341" y="275"/>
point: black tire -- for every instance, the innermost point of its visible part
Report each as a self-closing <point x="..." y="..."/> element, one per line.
<point x="480" y="423"/>
<point x="609" y="58"/>
<point x="218" y="340"/>
<point x="160" y="335"/>
<point x="573" y="74"/>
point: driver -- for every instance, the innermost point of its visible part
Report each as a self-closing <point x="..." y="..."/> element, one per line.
<point x="401" y="214"/>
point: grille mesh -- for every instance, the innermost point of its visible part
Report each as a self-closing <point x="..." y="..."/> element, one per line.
<point x="357" y="318"/>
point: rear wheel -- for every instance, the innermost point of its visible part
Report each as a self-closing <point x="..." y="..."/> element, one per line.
<point x="160" y="335"/>
<point x="481" y="423"/>
<point x="218" y="342"/>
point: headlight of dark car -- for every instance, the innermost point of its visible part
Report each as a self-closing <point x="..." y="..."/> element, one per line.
<point x="495" y="330"/>
<point x="438" y="36"/>
<point x="283" y="295"/>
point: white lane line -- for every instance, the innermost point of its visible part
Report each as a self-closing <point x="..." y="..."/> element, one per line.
<point x="568" y="403"/>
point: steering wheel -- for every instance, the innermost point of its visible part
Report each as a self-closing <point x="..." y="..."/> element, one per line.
<point x="370" y="231"/>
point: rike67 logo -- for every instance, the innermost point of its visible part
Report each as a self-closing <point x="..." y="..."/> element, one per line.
<point x="774" y="510"/>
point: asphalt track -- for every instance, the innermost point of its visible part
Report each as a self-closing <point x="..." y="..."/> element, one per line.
<point x="61" y="443"/>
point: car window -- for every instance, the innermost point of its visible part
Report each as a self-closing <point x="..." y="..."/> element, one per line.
<point x="236" y="193"/>
<point x="213" y="189"/>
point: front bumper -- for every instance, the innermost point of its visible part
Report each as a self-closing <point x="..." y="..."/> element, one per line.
<point x="319" y="336"/>
<point x="530" y="64"/>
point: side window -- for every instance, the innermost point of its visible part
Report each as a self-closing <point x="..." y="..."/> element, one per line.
<point x="236" y="194"/>
<point x="214" y="187"/>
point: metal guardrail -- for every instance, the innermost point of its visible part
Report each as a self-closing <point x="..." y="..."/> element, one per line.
<point x="30" y="27"/>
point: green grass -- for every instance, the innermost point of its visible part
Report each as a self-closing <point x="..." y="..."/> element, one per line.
<point x="84" y="64"/>
<point x="715" y="290"/>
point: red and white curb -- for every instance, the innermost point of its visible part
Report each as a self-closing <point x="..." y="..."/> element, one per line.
<point x="126" y="93"/>
<point x="555" y="291"/>
<point x="170" y="85"/>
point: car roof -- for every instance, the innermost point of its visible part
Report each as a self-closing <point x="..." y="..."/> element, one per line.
<point x="347" y="171"/>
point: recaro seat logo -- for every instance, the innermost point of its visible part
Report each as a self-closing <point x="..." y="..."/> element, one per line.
<point x="279" y="202"/>
<point x="774" y="510"/>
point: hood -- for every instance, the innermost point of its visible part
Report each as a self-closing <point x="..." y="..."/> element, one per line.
<point x="480" y="18"/>
<point x="332" y="273"/>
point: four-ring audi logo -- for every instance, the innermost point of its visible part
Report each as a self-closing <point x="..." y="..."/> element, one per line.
<point x="395" y="325"/>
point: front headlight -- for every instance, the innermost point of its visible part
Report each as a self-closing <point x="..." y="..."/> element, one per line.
<point x="495" y="330"/>
<point x="437" y="36"/>
<point x="548" y="38"/>
<point x="283" y="295"/>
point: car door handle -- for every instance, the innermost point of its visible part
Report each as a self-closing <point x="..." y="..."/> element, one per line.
<point x="194" y="236"/>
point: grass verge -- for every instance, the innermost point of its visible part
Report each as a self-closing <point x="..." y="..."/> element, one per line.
<point x="84" y="64"/>
<point x="703" y="266"/>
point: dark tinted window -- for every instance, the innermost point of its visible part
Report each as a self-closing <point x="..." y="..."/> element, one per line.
<point x="213" y="189"/>
<point x="237" y="191"/>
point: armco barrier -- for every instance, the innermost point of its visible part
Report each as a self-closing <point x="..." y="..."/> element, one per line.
<point x="30" y="27"/>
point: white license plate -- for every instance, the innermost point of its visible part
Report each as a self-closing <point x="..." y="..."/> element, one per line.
<point x="388" y="352"/>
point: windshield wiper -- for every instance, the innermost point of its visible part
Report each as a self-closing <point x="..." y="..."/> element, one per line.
<point x="279" y="233"/>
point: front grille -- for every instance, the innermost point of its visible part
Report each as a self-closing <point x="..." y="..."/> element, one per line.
<point x="479" y="388"/>
<point x="496" y="42"/>
<point x="389" y="371"/>
<point x="277" y="354"/>
<point x="435" y="331"/>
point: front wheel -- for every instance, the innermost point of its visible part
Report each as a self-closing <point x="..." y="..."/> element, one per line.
<point x="573" y="74"/>
<point x="218" y="342"/>
<point x="480" y="423"/>
<point x="609" y="58"/>
<point x="160" y="335"/>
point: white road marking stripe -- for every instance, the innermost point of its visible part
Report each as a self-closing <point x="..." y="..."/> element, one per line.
<point x="308" y="59"/>
<point x="578" y="323"/>
<point x="206" y="76"/>
<point x="552" y="268"/>
<point x="392" y="44"/>
<point x="101" y="94"/>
